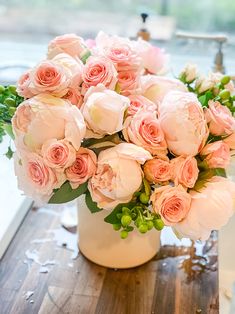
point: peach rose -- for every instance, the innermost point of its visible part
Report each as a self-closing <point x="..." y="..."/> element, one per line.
<point x="156" y="87"/>
<point x="185" y="171"/>
<point x="103" y="110"/>
<point x="49" y="77"/>
<point x="23" y="85"/>
<point x="45" y="117"/>
<point x="138" y="102"/>
<point x="99" y="70"/>
<point x="128" y="82"/>
<point x="35" y="178"/>
<point x="217" y="154"/>
<point x="220" y="119"/>
<point x="189" y="73"/>
<point x="210" y="209"/>
<point x="143" y="129"/>
<point x="230" y="140"/>
<point x="183" y="123"/>
<point x="74" y="96"/>
<point x="154" y="59"/>
<point x="118" y="175"/>
<point x="83" y="167"/>
<point x="71" y="44"/>
<point x="157" y="170"/>
<point x="119" y="50"/>
<point x="58" y="154"/>
<point x="172" y="203"/>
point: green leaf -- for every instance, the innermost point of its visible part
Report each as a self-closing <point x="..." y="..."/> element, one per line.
<point x="8" y="129"/>
<point x="86" y="55"/>
<point x="66" y="194"/>
<point x="91" y="204"/>
<point x="9" y="153"/>
<point x="112" y="217"/>
<point x="205" y="98"/>
<point x="220" y="172"/>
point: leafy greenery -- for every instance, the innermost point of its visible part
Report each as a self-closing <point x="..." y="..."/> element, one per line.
<point x="205" y="98"/>
<point x="91" y="204"/>
<point x="66" y="194"/>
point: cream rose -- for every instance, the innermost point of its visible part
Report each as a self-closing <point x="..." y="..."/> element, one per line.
<point x="118" y="175"/>
<point x="103" y="110"/>
<point x="183" y="123"/>
<point x="156" y="87"/>
<point x="83" y="167"/>
<point x="210" y="209"/>
<point x="23" y="85"/>
<point x="185" y="171"/>
<point x="45" y="117"/>
<point x="172" y="203"/>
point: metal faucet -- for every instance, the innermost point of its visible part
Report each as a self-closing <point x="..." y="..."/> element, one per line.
<point x="220" y="39"/>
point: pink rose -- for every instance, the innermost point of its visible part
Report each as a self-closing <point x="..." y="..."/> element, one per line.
<point x="119" y="50"/>
<point x="185" y="171"/>
<point x="220" y="119"/>
<point x="83" y="167"/>
<point x="217" y="154"/>
<point x="58" y="154"/>
<point x="45" y="117"/>
<point x="210" y="209"/>
<point x="183" y="123"/>
<point x="172" y="203"/>
<point x="35" y="178"/>
<point x="103" y="111"/>
<point x="154" y="59"/>
<point x="118" y="175"/>
<point x="139" y="102"/>
<point x="90" y="43"/>
<point x="156" y="87"/>
<point x="157" y="170"/>
<point x="71" y="44"/>
<point x="74" y="96"/>
<point x="23" y="85"/>
<point x="128" y="82"/>
<point x="99" y="70"/>
<point x="49" y="77"/>
<point x="143" y="129"/>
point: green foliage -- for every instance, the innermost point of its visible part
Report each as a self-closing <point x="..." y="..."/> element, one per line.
<point x="206" y="175"/>
<point x="66" y="194"/>
<point x="9" y="101"/>
<point x="9" y="153"/>
<point x="205" y="98"/>
<point x="91" y="204"/>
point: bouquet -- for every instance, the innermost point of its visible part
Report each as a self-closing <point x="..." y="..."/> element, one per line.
<point x="97" y="117"/>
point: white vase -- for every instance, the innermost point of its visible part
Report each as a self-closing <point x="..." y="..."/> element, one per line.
<point x="99" y="243"/>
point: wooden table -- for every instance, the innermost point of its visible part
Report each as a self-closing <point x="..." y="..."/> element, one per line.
<point x="175" y="281"/>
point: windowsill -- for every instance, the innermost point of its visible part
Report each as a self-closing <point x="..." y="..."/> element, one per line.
<point x="13" y="205"/>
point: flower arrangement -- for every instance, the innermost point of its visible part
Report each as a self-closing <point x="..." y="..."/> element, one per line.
<point x="97" y="118"/>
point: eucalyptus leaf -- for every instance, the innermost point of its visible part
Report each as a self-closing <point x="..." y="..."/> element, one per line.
<point x="66" y="194"/>
<point x="91" y="204"/>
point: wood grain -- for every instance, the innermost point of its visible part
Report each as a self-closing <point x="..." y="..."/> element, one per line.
<point x="176" y="281"/>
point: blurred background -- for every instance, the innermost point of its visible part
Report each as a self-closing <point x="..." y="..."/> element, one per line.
<point x="27" y="26"/>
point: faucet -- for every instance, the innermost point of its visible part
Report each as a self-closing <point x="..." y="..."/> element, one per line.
<point x="220" y="39"/>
